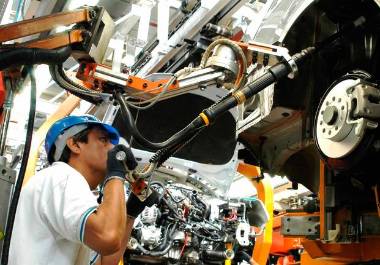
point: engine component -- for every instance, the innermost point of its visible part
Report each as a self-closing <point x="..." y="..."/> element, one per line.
<point x="180" y="229"/>
<point x="223" y="57"/>
<point x="149" y="215"/>
<point x="150" y="235"/>
<point x="242" y="234"/>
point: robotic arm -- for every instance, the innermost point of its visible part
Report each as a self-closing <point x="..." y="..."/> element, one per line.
<point x="223" y="62"/>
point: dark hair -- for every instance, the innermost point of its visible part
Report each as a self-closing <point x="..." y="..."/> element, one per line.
<point x="81" y="137"/>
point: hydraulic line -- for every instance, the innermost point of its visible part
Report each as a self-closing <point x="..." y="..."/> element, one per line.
<point x="215" y="255"/>
<point x="24" y="163"/>
<point x="210" y="114"/>
<point x="59" y="76"/>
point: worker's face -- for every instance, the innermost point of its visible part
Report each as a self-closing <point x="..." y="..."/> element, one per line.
<point x="94" y="152"/>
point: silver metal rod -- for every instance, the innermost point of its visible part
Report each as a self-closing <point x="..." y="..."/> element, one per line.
<point x="7" y="115"/>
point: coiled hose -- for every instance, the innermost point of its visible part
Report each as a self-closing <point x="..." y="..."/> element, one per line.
<point x="240" y="81"/>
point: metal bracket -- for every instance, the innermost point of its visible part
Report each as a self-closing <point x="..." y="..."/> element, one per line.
<point x="367" y="99"/>
<point x="300" y="225"/>
<point x="266" y="54"/>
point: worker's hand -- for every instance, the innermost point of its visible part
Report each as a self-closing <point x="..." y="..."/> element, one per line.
<point x="135" y="206"/>
<point x="117" y="168"/>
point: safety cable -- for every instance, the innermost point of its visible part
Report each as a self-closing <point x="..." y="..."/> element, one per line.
<point x="24" y="163"/>
<point x="153" y="100"/>
<point x="181" y="73"/>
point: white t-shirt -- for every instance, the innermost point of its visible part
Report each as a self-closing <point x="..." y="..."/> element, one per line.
<point x="51" y="217"/>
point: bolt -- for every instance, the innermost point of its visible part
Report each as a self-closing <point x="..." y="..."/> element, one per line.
<point x="145" y="85"/>
<point x="92" y="14"/>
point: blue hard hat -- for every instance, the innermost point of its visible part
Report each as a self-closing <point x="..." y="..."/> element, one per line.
<point x="62" y="127"/>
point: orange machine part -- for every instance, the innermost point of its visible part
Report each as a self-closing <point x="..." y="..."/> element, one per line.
<point x="282" y="245"/>
<point x="366" y="250"/>
<point x="2" y="88"/>
<point x="320" y="252"/>
<point x="153" y="87"/>
<point x="36" y="25"/>
<point x="307" y="260"/>
<point x="287" y="260"/>
<point x="134" y="84"/>
<point x="55" y="41"/>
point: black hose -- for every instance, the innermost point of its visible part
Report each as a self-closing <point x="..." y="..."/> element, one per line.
<point x="164" y="154"/>
<point x="213" y="255"/>
<point x="242" y="255"/>
<point x="29" y="56"/>
<point x="20" y="178"/>
<point x="155" y="253"/>
<point x="164" y="241"/>
<point x="177" y="138"/>
<point x="59" y="76"/>
<point x="272" y="75"/>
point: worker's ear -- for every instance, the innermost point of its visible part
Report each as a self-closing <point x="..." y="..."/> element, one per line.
<point x="73" y="146"/>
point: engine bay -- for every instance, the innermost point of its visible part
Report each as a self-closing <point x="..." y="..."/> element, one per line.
<point x="190" y="227"/>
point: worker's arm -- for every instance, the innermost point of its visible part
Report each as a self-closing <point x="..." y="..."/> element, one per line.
<point x="134" y="207"/>
<point x="105" y="228"/>
<point x="116" y="257"/>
